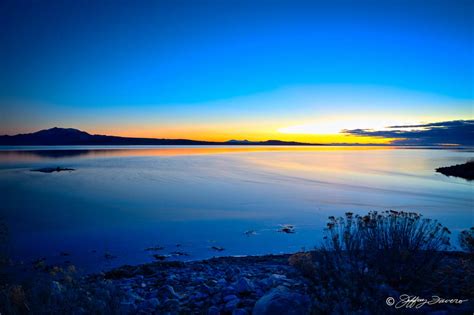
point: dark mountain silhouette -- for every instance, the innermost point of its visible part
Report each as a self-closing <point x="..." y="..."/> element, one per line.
<point x="70" y="136"/>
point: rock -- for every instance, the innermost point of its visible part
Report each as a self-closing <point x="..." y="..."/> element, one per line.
<point x="153" y="303"/>
<point x="159" y="257"/>
<point x="171" y="304"/>
<point x="127" y="307"/>
<point x="217" y="248"/>
<point x="231" y="305"/>
<point x="250" y="233"/>
<point x="230" y="297"/>
<point x="56" y="288"/>
<point x="154" y="248"/>
<point x="199" y="296"/>
<point x="167" y="291"/>
<point x="200" y="279"/>
<point x="386" y="290"/>
<point x="213" y="310"/>
<point x="120" y="273"/>
<point x="206" y="289"/>
<point x="275" y="280"/>
<point x="287" y="228"/>
<point x="132" y="296"/>
<point x="229" y="290"/>
<point x="239" y="311"/>
<point x="211" y="282"/>
<point x="99" y="306"/>
<point x="52" y="169"/>
<point x="244" y="285"/>
<point x="282" y="301"/>
<point x="222" y="282"/>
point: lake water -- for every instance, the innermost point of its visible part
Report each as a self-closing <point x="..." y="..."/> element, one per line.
<point x="122" y="200"/>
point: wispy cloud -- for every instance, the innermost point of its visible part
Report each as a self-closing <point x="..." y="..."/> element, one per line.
<point x="459" y="132"/>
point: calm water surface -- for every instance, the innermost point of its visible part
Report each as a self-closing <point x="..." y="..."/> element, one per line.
<point x="122" y="200"/>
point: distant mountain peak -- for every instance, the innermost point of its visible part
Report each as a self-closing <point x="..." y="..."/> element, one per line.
<point x="239" y="141"/>
<point x="59" y="130"/>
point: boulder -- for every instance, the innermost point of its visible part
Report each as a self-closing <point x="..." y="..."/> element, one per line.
<point x="231" y="305"/>
<point x="282" y="301"/>
<point x="244" y="285"/>
<point x="153" y="303"/>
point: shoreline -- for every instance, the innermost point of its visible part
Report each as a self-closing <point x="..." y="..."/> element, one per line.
<point x="241" y="285"/>
<point x="219" y="285"/>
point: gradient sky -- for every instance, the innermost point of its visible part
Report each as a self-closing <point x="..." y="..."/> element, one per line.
<point x="220" y="70"/>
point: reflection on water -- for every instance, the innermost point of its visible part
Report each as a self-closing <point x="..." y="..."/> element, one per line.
<point x="14" y="154"/>
<point x="38" y="153"/>
<point x="123" y="200"/>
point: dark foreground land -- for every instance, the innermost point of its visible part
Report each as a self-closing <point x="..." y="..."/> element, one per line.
<point x="388" y="262"/>
<point x="232" y="285"/>
<point x="465" y="170"/>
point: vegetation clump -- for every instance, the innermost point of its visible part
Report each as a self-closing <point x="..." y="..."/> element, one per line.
<point x="365" y="259"/>
<point x="466" y="240"/>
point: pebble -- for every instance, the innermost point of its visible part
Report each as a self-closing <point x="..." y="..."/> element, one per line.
<point x="232" y="304"/>
<point x="168" y="292"/>
<point x="213" y="310"/>
<point x="153" y="303"/>
<point x="239" y="311"/>
<point x="230" y="297"/>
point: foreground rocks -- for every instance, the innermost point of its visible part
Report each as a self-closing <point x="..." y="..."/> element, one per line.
<point x="228" y="285"/>
<point x="256" y="285"/>
<point x="281" y="300"/>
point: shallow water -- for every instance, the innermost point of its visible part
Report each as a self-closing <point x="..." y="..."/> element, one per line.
<point x="122" y="200"/>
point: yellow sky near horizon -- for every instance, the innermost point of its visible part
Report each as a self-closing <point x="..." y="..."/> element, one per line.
<point x="326" y="130"/>
<point x="211" y="134"/>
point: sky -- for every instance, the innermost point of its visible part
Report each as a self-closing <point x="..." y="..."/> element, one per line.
<point x="313" y="71"/>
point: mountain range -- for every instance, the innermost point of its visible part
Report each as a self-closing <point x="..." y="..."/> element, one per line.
<point x="70" y="136"/>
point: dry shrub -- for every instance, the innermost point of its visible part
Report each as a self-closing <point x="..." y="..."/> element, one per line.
<point x="364" y="259"/>
<point x="466" y="240"/>
<point x="18" y="297"/>
<point x="304" y="262"/>
<point x="402" y="247"/>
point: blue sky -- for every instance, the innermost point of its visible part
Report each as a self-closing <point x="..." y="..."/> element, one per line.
<point x="138" y="67"/>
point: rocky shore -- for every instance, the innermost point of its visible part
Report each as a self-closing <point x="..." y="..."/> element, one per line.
<point x="226" y="285"/>
<point x="376" y="278"/>
<point x="245" y="285"/>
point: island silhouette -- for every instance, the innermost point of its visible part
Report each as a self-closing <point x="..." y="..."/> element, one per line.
<point x="71" y="136"/>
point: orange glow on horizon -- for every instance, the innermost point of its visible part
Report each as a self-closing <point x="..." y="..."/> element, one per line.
<point x="215" y="135"/>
